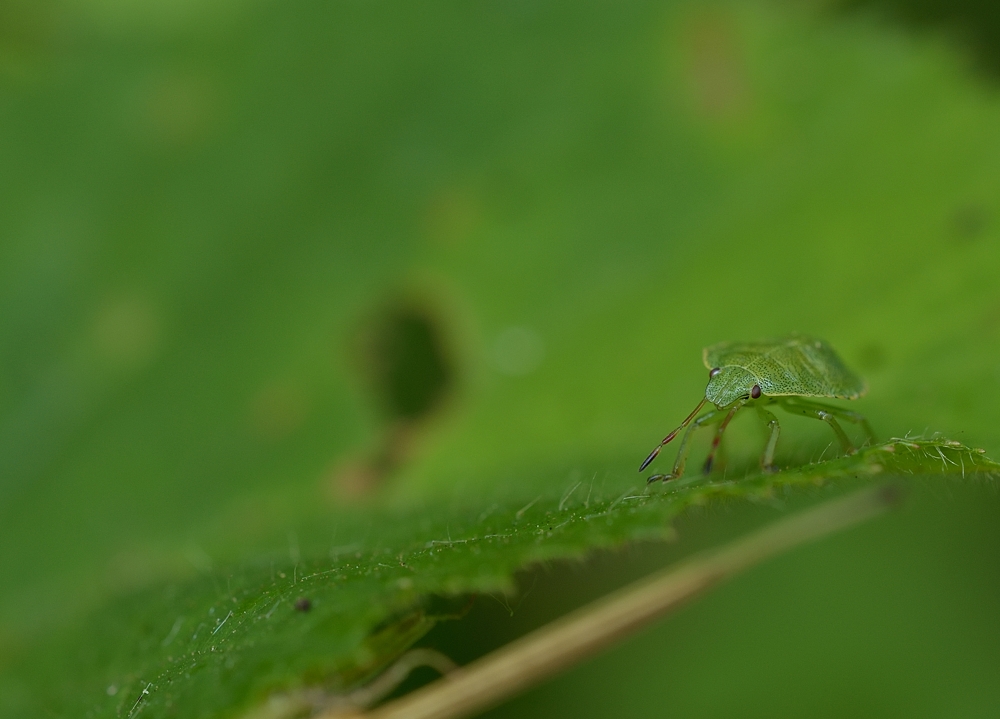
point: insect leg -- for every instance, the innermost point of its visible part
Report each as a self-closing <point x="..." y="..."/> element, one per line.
<point x="819" y="411"/>
<point x="767" y="459"/>
<point x="706" y="419"/>
<point x="856" y="419"/>
<point x="845" y="414"/>
<point x="718" y="435"/>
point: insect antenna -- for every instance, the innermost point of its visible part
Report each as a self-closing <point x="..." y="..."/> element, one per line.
<point x="685" y="423"/>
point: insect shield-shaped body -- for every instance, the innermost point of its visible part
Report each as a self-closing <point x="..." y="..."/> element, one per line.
<point x="784" y="372"/>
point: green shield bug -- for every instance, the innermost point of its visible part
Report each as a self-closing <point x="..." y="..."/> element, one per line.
<point x="784" y="371"/>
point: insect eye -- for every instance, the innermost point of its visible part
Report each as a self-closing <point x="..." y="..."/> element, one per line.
<point x="713" y="372"/>
<point x="755" y="392"/>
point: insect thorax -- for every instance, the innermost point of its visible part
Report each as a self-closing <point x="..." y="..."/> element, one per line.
<point x="792" y="365"/>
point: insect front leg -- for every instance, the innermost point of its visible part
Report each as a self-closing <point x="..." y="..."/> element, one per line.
<point x="767" y="459"/>
<point x="709" y="418"/>
<point x="807" y="408"/>
<point x="710" y="459"/>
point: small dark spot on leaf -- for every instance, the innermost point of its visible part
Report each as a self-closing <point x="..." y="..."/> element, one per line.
<point x="892" y="494"/>
<point x="968" y="222"/>
<point x="302" y="604"/>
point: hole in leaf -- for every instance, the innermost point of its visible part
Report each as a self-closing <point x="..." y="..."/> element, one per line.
<point x="403" y="354"/>
<point x="406" y="362"/>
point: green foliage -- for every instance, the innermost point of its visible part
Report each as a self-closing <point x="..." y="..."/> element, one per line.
<point x="308" y="287"/>
<point x="213" y="645"/>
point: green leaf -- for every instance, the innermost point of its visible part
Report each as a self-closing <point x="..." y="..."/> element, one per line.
<point x="218" y="644"/>
<point x="217" y="226"/>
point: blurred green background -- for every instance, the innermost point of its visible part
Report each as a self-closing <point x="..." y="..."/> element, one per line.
<point x="262" y="262"/>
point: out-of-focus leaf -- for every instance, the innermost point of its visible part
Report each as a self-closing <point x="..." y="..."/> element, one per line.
<point x="204" y="224"/>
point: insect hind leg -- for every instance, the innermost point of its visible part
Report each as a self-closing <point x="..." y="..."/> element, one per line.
<point x="710" y="460"/>
<point x="829" y="414"/>
<point x="857" y="419"/>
